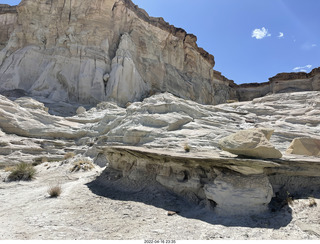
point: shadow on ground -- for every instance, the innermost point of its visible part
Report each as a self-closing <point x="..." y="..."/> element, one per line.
<point x="151" y="193"/>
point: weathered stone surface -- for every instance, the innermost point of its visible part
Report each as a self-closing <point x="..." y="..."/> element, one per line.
<point x="164" y="124"/>
<point x="237" y="194"/>
<point x="305" y="146"/>
<point x="281" y="83"/>
<point x="106" y="50"/>
<point x="8" y="18"/>
<point x="81" y="110"/>
<point x="253" y="143"/>
<point x="28" y="102"/>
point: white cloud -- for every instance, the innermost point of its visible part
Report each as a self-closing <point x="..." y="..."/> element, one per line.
<point x="302" y="69"/>
<point x="260" y="33"/>
<point x="281" y="35"/>
<point x="308" y="46"/>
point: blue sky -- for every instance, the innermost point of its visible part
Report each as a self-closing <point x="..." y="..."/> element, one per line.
<point x="251" y="40"/>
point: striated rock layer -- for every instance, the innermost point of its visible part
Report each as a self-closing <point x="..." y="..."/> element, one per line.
<point x="147" y="139"/>
<point x="91" y="51"/>
<point x="8" y="18"/>
<point x="281" y="83"/>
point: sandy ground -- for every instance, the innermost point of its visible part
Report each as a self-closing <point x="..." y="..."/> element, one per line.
<point x="91" y="208"/>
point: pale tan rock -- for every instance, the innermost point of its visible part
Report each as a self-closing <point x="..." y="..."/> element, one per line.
<point x="281" y="83"/>
<point x="240" y="195"/>
<point x="252" y="143"/>
<point x="81" y="110"/>
<point x="28" y="102"/>
<point x="305" y="146"/>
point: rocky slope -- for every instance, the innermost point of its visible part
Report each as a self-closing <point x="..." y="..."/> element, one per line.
<point x="163" y="124"/>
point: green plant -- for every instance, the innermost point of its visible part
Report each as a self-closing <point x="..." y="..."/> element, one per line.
<point x="82" y="164"/>
<point x="22" y="171"/>
<point x="186" y="148"/>
<point x="55" y="191"/>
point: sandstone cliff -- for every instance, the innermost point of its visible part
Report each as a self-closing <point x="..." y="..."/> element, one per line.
<point x="281" y="83"/>
<point x="8" y="17"/>
<point x="90" y="51"/>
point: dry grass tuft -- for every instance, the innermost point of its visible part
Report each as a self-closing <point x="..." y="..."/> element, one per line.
<point x="69" y="155"/>
<point x="55" y="191"/>
<point x="22" y="171"/>
<point x="289" y="199"/>
<point x="186" y="148"/>
<point x="82" y="164"/>
<point x="312" y="202"/>
<point x="9" y="168"/>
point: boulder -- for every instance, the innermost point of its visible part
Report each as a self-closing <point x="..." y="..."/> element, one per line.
<point x="305" y="146"/>
<point x="240" y="195"/>
<point x="251" y="143"/>
<point x="81" y="110"/>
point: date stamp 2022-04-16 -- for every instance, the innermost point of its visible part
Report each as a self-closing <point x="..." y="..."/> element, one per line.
<point x="160" y="242"/>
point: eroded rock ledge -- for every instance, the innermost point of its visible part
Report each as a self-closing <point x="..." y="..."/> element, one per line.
<point x="235" y="185"/>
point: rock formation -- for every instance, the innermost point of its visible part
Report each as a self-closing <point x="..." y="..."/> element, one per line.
<point x="251" y="143"/>
<point x="102" y="79"/>
<point x="281" y="83"/>
<point x="8" y="18"/>
<point x="305" y="146"/>
<point x="102" y="50"/>
<point x="146" y="139"/>
<point x="76" y="51"/>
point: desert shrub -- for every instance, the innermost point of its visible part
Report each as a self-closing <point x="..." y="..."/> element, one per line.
<point x="9" y="168"/>
<point x="22" y="171"/>
<point x="312" y="202"/>
<point x="82" y="164"/>
<point x="289" y="199"/>
<point x="186" y="148"/>
<point x="55" y="191"/>
<point x="69" y="155"/>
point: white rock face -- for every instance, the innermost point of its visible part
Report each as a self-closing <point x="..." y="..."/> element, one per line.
<point x="125" y="83"/>
<point x="240" y="195"/>
<point x="91" y="51"/>
<point x="28" y="102"/>
<point x="252" y="143"/>
<point x="164" y="124"/>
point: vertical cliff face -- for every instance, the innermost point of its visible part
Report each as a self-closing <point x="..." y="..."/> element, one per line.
<point x="281" y="83"/>
<point x="94" y="50"/>
<point x="8" y="18"/>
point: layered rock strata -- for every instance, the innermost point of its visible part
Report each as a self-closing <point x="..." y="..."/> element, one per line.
<point x="112" y="50"/>
<point x="91" y="51"/>
<point x="281" y="83"/>
<point x="151" y="136"/>
<point x="8" y="18"/>
<point x="234" y="186"/>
